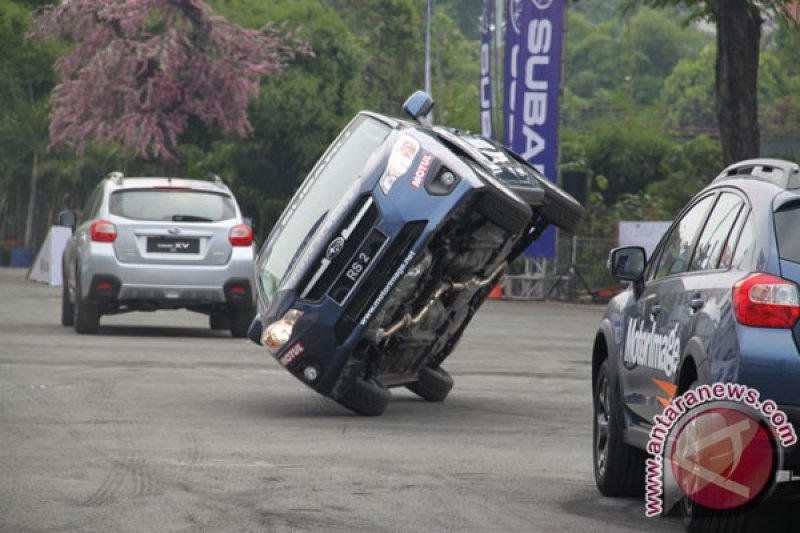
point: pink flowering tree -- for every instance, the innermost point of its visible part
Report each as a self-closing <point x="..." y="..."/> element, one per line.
<point x="139" y="69"/>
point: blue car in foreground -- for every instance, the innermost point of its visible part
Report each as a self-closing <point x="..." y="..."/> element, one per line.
<point x="718" y="302"/>
<point x="388" y="249"/>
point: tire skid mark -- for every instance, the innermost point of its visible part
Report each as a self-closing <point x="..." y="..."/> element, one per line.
<point x="142" y="481"/>
<point x="114" y="482"/>
<point x="100" y="389"/>
<point x="129" y="472"/>
<point x="192" y="453"/>
<point x="109" y="488"/>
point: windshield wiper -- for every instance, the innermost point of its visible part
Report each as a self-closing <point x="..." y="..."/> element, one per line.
<point x="190" y="218"/>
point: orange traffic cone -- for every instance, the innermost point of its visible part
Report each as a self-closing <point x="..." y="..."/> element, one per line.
<point x="497" y="292"/>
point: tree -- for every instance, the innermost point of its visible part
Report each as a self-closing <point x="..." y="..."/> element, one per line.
<point x="687" y="95"/>
<point x="629" y="153"/>
<point x="141" y="69"/>
<point x="738" y="24"/>
<point x="26" y="78"/>
<point x="23" y="131"/>
<point x="392" y="34"/>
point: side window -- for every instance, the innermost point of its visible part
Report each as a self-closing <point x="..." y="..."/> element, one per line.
<point x="787" y="220"/>
<point x="743" y="256"/>
<point x="726" y="259"/>
<point x="715" y="234"/>
<point x="677" y="249"/>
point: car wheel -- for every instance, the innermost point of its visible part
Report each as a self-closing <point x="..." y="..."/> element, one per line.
<point x="366" y="397"/>
<point x="433" y="384"/>
<point x="504" y="208"/>
<point x="560" y="209"/>
<point x="67" y="307"/>
<point x="700" y="519"/>
<point x="87" y="314"/>
<point x="219" y="321"/>
<point x="240" y="321"/>
<point x="618" y="467"/>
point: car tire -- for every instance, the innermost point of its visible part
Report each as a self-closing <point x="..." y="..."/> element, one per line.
<point x="218" y="321"/>
<point x="366" y="397"/>
<point x="503" y="207"/>
<point x="240" y="321"/>
<point x="67" y="307"/>
<point x="699" y="519"/>
<point x="87" y="314"/>
<point x="619" y="468"/>
<point x="559" y="208"/>
<point x="433" y="384"/>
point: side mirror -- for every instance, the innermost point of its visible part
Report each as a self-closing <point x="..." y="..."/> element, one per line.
<point x="419" y="106"/>
<point x="627" y="264"/>
<point x="68" y="219"/>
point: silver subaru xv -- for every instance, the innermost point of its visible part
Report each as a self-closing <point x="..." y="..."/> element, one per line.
<point x="144" y="244"/>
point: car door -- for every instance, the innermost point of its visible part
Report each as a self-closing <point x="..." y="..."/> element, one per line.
<point x="649" y="360"/>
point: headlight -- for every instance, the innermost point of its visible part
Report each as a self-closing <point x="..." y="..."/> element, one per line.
<point x="400" y="160"/>
<point x="279" y="333"/>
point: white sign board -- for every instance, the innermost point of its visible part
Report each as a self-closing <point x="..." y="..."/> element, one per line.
<point x="47" y="267"/>
<point x="644" y="234"/>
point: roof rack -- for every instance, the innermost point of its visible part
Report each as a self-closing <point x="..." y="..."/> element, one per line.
<point x="782" y="173"/>
<point x="116" y="177"/>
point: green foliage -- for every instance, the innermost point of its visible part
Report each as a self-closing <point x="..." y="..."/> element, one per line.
<point x="688" y="167"/>
<point x="613" y="64"/>
<point x="659" y="41"/>
<point x="639" y="85"/>
<point x="628" y="153"/>
<point x="456" y="67"/>
<point x="466" y="14"/>
<point x="297" y="115"/>
<point x="23" y="67"/>
<point x="392" y="33"/>
<point x="687" y="96"/>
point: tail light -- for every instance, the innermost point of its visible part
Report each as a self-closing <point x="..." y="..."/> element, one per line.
<point x="241" y="235"/>
<point x="766" y="301"/>
<point x="104" y="231"/>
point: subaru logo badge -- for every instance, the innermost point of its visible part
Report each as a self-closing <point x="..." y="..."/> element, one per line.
<point x="174" y="231"/>
<point x="334" y="248"/>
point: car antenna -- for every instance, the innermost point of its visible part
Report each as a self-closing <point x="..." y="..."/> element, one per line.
<point x="216" y="179"/>
<point x="116" y="177"/>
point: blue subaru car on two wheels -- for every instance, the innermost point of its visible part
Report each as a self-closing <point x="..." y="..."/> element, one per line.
<point x="717" y="302"/>
<point x="388" y="249"/>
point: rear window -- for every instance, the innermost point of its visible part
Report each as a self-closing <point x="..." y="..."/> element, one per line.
<point x="173" y="205"/>
<point x="787" y="220"/>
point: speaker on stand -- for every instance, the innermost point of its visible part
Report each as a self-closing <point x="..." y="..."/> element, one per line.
<point x="576" y="183"/>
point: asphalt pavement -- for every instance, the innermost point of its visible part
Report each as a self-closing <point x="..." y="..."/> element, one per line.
<point x="160" y="424"/>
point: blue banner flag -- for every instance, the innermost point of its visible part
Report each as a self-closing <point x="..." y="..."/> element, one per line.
<point x="532" y="83"/>
<point x="487" y="98"/>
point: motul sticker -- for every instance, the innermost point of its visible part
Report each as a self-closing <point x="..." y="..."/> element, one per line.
<point x="422" y="171"/>
<point x="292" y="354"/>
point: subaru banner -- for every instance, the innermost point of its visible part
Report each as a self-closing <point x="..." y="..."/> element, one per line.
<point x="532" y="84"/>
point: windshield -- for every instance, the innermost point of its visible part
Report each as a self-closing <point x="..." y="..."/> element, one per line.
<point x="337" y="171"/>
<point x="175" y="205"/>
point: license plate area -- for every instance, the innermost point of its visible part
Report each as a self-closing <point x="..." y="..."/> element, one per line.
<point x="357" y="266"/>
<point x="172" y="245"/>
